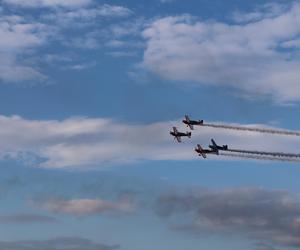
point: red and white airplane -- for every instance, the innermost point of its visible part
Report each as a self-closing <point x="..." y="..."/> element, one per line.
<point x="203" y="152"/>
<point x="177" y="135"/>
<point x="190" y="123"/>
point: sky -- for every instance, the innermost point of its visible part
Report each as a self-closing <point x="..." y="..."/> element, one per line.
<point x="89" y="91"/>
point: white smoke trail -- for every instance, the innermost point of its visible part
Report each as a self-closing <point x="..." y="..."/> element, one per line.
<point x="258" y="157"/>
<point x="276" y="154"/>
<point x="259" y="130"/>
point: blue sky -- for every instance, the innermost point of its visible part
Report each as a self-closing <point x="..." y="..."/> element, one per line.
<point x="88" y="93"/>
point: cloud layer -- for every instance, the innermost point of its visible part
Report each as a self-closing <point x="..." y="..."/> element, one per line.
<point x="272" y="216"/>
<point x="48" y="3"/>
<point x="255" y="53"/>
<point x="258" y="56"/>
<point x="69" y="243"/>
<point x="98" y="142"/>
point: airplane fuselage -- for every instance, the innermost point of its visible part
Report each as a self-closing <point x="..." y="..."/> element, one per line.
<point x="224" y="147"/>
<point x="200" y="122"/>
<point x="205" y="151"/>
<point x="190" y="123"/>
<point x="180" y="134"/>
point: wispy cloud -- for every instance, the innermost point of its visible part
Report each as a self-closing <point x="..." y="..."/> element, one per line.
<point x="23" y="35"/>
<point x="19" y="35"/>
<point x="85" y="15"/>
<point x="82" y="66"/>
<point x="167" y="1"/>
<point x="122" y="54"/>
<point x="84" y="207"/>
<point x="48" y="3"/>
<point x="263" y="246"/>
<point x="264" y="11"/>
<point x="26" y="219"/>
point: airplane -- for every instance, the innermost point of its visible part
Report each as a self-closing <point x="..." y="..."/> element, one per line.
<point x="177" y="135"/>
<point x="216" y="147"/>
<point x="190" y="123"/>
<point x="203" y="152"/>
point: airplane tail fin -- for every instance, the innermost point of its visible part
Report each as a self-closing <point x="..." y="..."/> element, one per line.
<point x="214" y="143"/>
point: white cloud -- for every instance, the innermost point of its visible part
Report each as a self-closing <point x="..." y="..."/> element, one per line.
<point x="268" y="10"/>
<point x="18" y="36"/>
<point x="13" y="71"/>
<point x="48" y="3"/>
<point x="243" y="56"/>
<point x="129" y="28"/>
<point x="291" y="44"/>
<point x="85" y="143"/>
<point x="85" y="15"/>
<point x="124" y="39"/>
<point x="15" y="34"/>
<point x="114" y="43"/>
<point x="83" y="66"/>
<point x="22" y="36"/>
<point x="87" y="42"/>
<point x="87" y="206"/>
<point x="118" y="54"/>
<point x="166" y="1"/>
<point x="76" y="141"/>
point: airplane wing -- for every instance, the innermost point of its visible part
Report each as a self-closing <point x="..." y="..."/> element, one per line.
<point x="187" y="118"/>
<point x="175" y="130"/>
<point x="201" y="151"/>
<point x="188" y="122"/>
<point x="203" y="155"/>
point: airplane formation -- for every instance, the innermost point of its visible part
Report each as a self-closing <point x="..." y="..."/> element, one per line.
<point x="214" y="148"/>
